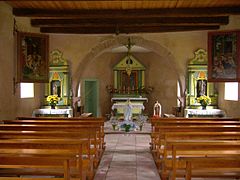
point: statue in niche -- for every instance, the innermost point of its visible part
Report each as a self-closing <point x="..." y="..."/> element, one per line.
<point x="201" y="88"/>
<point x="157" y="109"/>
<point x="56" y="88"/>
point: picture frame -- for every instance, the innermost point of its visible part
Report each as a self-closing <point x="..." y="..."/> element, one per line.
<point x="224" y="56"/>
<point x="32" y="57"/>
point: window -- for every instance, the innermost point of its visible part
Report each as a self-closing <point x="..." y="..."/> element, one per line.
<point x="231" y="91"/>
<point x="26" y="90"/>
<point x="79" y="90"/>
<point x="178" y="94"/>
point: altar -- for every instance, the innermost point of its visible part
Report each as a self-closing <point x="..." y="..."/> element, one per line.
<point x="120" y="103"/>
<point x="53" y="112"/>
<point x="129" y="85"/>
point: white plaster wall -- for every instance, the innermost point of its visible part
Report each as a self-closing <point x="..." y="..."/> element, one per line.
<point x="7" y="98"/>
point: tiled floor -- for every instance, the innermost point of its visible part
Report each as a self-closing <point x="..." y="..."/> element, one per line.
<point x="127" y="157"/>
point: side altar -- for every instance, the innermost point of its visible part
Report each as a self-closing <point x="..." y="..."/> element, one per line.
<point x="198" y="86"/>
<point x="59" y="85"/>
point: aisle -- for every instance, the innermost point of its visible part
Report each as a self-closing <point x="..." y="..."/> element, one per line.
<point x="127" y="157"/>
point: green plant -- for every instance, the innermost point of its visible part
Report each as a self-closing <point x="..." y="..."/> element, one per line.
<point x="127" y="127"/>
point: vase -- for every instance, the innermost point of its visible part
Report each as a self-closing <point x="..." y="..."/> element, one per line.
<point x="114" y="126"/>
<point x="53" y="106"/>
<point x="204" y="107"/>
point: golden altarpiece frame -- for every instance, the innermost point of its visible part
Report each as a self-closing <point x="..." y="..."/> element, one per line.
<point x="197" y="82"/>
<point x="129" y="77"/>
<point x="59" y="80"/>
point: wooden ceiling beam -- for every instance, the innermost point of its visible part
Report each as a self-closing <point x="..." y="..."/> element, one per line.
<point x="123" y="30"/>
<point x="131" y="13"/>
<point x="221" y="20"/>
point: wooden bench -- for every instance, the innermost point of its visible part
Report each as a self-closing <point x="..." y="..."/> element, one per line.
<point x="216" y="167"/>
<point x="56" y="129"/>
<point x="153" y="119"/>
<point x="59" y="118"/>
<point x="197" y="130"/>
<point x="195" y="150"/>
<point x="44" y="148"/>
<point x="160" y="138"/>
<point x="95" y="128"/>
<point x="92" y="136"/>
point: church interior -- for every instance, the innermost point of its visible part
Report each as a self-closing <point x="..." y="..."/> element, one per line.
<point x="151" y="74"/>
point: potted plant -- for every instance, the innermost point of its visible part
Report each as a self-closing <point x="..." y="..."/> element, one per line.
<point x="127" y="127"/>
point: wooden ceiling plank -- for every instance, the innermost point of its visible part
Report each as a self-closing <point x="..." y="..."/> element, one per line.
<point x="123" y="30"/>
<point x="221" y="20"/>
<point x="150" y="13"/>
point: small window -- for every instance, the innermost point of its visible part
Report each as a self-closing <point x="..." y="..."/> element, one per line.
<point x="26" y="90"/>
<point x="231" y="91"/>
<point x="79" y="90"/>
<point x="178" y="93"/>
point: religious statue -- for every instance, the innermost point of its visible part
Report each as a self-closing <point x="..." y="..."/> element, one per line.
<point x="157" y="109"/>
<point x="128" y="111"/>
<point x="201" y="88"/>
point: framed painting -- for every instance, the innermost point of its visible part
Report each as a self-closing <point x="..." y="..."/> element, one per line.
<point x="32" y="57"/>
<point x="224" y="56"/>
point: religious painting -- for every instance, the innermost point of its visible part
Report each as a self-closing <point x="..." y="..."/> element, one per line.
<point x="129" y="82"/>
<point x="224" y="56"/>
<point x="32" y="57"/>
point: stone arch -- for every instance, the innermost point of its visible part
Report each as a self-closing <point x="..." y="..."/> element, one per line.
<point x="116" y="41"/>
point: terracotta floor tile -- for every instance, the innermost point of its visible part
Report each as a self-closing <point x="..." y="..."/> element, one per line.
<point x="127" y="157"/>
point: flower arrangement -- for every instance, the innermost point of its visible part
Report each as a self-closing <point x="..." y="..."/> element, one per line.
<point x="114" y="122"/>
<point x="140" y="121"/>
<point x="204" y="100"/>
<point x="52" y="100"/>
<point x="127" y="125"/>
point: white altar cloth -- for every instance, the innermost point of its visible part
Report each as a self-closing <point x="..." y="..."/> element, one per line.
<point x="207" y="113"/>
<point x="136" y="107"/>
<point x="68" y="112"/>
<point x="130" y="98"/>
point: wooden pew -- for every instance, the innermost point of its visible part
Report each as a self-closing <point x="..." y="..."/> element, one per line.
<point x="55" y="121"/>
<point x="66" y="126"/>
<point x="92" y="137"/>
<point x="227" y="167"/>
<point x="161" y="138"/>
<point x="53" y="150"/>
<point x="67" y="130"/>
<point x="162" y="129"/>
<point x="153" y="119"/>
<point x="193" y="150"/>
<point x="17" y="162"/>
<point x="180" y="122"/>
<point x="198" y="130"/>
<point x="60" y="118"/>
